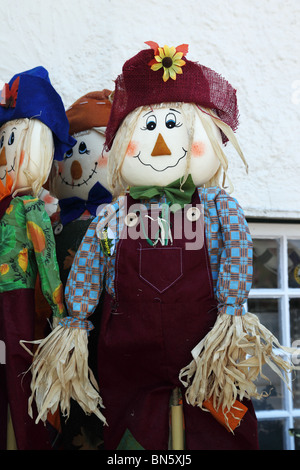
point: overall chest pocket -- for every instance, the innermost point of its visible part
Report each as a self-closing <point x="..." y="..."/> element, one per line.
<point x="160" y="267"/>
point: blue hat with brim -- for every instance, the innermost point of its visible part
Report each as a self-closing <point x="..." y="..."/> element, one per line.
<point x="30" y="95"/>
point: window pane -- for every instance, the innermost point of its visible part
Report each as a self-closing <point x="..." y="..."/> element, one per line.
<point x="274" y="390"/>
<point x="295" y="340"/>
<point x="267" y="311"/>
<point x="265" y="263"/>
<point x="296" y="433"/>
<point x="295" y="320"/>
<point x="270" y="434"/>
<point x="296" y="388"/>
<point x="294" y="263"/>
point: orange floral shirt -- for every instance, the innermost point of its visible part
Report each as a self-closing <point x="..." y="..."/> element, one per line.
<point x="27" y="247"/>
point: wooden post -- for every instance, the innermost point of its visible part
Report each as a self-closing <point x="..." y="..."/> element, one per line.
<point x="177" y="422"/>
<point x="10" y="439"/>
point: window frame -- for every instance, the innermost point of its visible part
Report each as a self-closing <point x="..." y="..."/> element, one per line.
<point x="283" y="232"/>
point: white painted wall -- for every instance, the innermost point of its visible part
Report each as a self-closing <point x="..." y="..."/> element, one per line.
<point x="253" y="43"/>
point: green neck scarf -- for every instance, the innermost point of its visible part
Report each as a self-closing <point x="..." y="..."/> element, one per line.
<point x="175" y="193"/>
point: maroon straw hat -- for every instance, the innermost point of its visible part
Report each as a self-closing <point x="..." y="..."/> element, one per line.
<point x="142" y="83"/>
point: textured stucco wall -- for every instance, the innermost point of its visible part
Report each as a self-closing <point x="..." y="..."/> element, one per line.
<point x="254" y="44"/>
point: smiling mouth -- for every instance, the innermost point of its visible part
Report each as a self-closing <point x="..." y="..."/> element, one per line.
<point x="169" y="166"/>
<point x="85" y="181"/>
<point x="12" y="168"/>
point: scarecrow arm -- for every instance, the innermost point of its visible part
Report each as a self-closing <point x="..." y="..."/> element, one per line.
<point x="229" y="359"/>
<point x="235" y="271"/>
<point x="85" y="281"/>
<point x="60" y="370"/>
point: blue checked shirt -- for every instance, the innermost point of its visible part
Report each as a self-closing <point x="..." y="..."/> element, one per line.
<point x="229" y="246"/>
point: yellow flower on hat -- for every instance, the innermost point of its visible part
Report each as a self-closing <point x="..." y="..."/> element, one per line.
<point x="170" y="59"/>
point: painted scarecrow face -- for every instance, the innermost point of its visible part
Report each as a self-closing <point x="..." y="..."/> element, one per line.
<point x="10" y="134"/>
<point x="83" y="166"/>
<point x="158" y="151"/>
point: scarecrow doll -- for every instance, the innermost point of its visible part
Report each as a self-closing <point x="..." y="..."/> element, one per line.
<point x="33" y="131"/>
<point x="174" y="256"/>
<point x="79" y="183"/>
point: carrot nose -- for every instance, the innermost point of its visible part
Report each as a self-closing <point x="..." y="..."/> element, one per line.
<point x="160" y="147"/>
<point x="3" y="160"/>
<point x="76" y="170"/>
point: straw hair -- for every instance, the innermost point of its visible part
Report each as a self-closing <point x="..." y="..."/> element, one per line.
<point x="208" y="119"/>
<point x="35" y="137"/>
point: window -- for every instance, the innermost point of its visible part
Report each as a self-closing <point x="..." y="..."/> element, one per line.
<point x="275" y="299"/>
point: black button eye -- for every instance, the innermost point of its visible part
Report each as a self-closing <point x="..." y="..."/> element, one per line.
<point x="170" y="124"/>
<point x="69" y="153"/>
<point x="170" y="120"/>
<point x="1" y="142"/>
<point x="151" y="123"/>
<point x="11" y="138"/>
<point x="82" y="147"/>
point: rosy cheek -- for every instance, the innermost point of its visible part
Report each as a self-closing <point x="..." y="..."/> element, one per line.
<point x="198" y="149"/>
<point x="60" y="167"/>
<point x="22" y="157"/>
<point x="102" y="161"/>
<point x="48" y="199"/>
<point x="132" y="149"/>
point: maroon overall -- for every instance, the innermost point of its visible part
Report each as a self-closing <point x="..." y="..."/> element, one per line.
<point x="164" y="306"/>
<point x="17" y="308"/>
